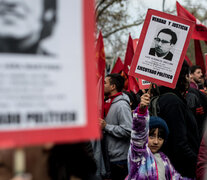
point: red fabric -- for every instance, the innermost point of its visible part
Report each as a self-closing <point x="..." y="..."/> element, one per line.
<point x="108" y="103"/>
<point x="125" y="76"/>
<point x="101" y="63"/>
<point x="200" y="31"/>
<point x="206" y="62"/>
<point x="188" y="61"/>
<point x="202" y="159"/>
<point x="135" y="43"/>
<point x="118" y="67"/>
<point x="129" y="55"/>
<point x="142" y="111"/>
<point x="199" y="55"/>
<point x="133" y="84"/>
<point x="130" y="81"/>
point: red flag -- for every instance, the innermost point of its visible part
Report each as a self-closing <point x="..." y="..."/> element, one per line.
<point x="188" y="61"/>
<point x="199" y="55"/>
<point x="118" y="67"/>
<point x="101" y="64"/>
<point x="129" y="55"/>
<point x="133" y="84"/>
<point x="206" y="61"/>
<point x="200" y="31"/>
<point x="135" y="43"/>
<point x="100" y="57"/>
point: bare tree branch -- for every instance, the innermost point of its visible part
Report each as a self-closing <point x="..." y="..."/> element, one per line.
<point x="121" y="28"/>
<point x="104" y="8"/>
<point x="98" y="5"/>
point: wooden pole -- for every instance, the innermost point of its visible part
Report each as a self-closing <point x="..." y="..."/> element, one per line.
<point x="19" y="161"/>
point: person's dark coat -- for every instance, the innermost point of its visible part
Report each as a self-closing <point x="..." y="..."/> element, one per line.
<point x="183" y="142"/>
<point x="197" y="102"/>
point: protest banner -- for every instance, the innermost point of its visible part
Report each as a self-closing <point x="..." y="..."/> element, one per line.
<point x="161" y="48"/>
<point x="143" y="84"/>
<point x="48" y="92"/>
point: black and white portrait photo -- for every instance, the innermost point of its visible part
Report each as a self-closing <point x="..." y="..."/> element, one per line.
<point x="162" y="46"/>
<point x="164" y="41"/>
<point x="25" y="24"/>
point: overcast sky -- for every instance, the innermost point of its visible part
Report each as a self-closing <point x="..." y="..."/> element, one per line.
<point x="144" y="5"/>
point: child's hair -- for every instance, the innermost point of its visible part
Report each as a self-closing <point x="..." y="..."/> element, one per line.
<point x="161" y="132"/>
<point x="157" y="122"/>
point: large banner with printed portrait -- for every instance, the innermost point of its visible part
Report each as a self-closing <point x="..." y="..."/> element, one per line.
<point x="161" y="48"/>
<point x="48" y="79"/>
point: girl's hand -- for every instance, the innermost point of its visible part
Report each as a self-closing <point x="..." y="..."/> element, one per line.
<point x="145" y="101"/>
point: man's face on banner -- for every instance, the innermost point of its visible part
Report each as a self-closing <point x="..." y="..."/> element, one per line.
<point x="162" y="44"/>
<point x="20" y="18"/>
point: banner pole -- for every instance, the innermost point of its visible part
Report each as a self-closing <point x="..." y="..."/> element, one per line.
<point x="19" y="161"/>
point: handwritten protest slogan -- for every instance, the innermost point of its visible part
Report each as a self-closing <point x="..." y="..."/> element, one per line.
<point x="161" y="48"/>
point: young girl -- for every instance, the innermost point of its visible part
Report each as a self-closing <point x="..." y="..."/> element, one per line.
<point x="147" y="138"/>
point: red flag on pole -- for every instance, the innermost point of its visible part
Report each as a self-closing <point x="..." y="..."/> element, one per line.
<point x="101" y="64"/>
<point x="129" y="55"/>
<point x="118" y="67"/>
<point x="135" y="43"/>
<point x="200" y="31"/>
<point x="199" y="55"/>
<point x="133" y="84"/>
<point x="130" y="81"/>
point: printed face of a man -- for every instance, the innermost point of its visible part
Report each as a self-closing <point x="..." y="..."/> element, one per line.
<point x="162" y="44"/>
<point x="20" y="18"/>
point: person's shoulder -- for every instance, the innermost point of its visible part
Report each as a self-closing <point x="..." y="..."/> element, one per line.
<point x="169" y="56"/>
<point x="152" y="51"/>
<point x="169" y="99"/>
<point x="122" y="100"/>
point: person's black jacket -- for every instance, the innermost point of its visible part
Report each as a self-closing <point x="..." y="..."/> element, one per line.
<point x="183" y="142"/>
<point x="197" y="102"/>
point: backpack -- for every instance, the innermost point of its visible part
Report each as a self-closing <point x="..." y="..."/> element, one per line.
<point x="154" y="108"/>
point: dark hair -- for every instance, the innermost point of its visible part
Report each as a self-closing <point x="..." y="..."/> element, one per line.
<point x="170" y="32"/>
<point x="48" y="25"/>
<point x="161" y="132"/>
<point x="117" y="80"/>
<point x="182" y="82"/>
<point x="194" y="68"/>
<point x="133" y="99"/>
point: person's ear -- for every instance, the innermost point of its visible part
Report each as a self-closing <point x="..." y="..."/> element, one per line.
<point x="113" y="86"/>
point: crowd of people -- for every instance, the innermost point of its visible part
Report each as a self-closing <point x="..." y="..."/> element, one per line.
<point x="135" y="143"/>
<point x="165" y="146"/>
